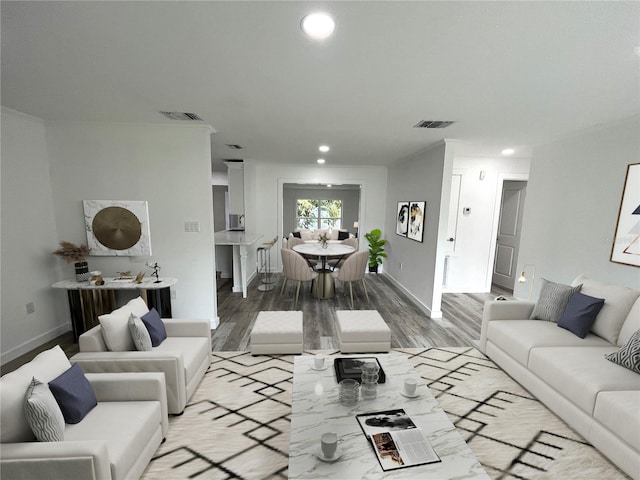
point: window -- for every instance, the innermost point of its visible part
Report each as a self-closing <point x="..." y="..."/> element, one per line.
<point x="314" y="214"/>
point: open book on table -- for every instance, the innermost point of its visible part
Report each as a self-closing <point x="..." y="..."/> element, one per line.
<point x="396" y="440"/>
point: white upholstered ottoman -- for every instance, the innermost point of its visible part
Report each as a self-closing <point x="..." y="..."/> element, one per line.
<point x="277" y="332"/>
<point x="362" y="331"/>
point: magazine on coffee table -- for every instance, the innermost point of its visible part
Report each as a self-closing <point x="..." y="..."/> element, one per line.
<point x="396" y="440"/>
<point x="351" y="367"/>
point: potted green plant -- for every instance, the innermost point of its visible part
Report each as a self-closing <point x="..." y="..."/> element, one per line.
<point x="376" y="249"/>
<point x="70" y="252"/>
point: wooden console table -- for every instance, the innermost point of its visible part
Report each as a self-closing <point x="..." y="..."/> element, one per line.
<point x="87" y="302"/>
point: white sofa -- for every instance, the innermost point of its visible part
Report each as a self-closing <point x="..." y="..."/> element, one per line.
<point x="311" y="236"/>
<point x="115" y="440"/>
<point x="184" y="357"/>
<point x="570" y="375"/>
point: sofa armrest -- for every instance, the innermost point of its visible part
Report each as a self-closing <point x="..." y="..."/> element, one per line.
<point x="55" y="460"/>
<point x="126" y="387"/>
<point x="92" y="340"/>
<point x="502" y="310"/>
<point x="178" y="327"/>
<point x="171" y="364"/>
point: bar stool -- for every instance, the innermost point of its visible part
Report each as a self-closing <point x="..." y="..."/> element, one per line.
<point x="264" y="256"/>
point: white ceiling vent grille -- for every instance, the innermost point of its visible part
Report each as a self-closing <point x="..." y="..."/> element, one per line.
<point x="189" y="117"/>
<point x="234" y="146"/>
<point x="433" y="124"/>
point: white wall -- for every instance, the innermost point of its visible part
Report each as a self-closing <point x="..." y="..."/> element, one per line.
<point x="263" y="196"/>
<point x="418" y="267"/>
<point x="168" y="166"/>
<point x="28" y="237"/>
<point x="470" y="267"/>
<point x="572" y="206"/>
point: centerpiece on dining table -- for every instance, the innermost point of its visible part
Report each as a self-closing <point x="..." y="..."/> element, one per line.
<point x="323" y="240"/>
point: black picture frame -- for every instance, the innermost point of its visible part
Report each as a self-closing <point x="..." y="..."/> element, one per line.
<point x="402" y="219"/>
<point x="417" y="216"/>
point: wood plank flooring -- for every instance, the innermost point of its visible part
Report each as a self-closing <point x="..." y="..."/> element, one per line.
<point x="410" y="327"/>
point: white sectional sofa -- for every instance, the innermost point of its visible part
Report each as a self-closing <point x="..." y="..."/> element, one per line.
<point x="115" y="440"/>
<point x="570" y="375"/>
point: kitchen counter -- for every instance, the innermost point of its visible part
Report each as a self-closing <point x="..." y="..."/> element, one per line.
<point x="240" y="240"/>
<point x="236" y="237"/>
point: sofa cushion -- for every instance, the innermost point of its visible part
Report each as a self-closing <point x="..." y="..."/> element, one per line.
<point x="155" y="327"/>
<point x="580" y="373"/>
<point x="631" y="324"/>
<point x="618" y="411"/>
<point x="617" y="304"/>
<point x="126" y="427"/>
<point x="74" y="394"/>
<point x="629" y="355"/>
<point x="518" y="337"/>
<point x="193" y="350"/>
<point x="43" y="413"/>
<point x="139" y="334"/>
<point x="115" y="325"/>
<point x="296" y="234"/>
<point x="580" y="313"/>
<point x="343" y="235"/>
<point x="552" y="301"/>
<point x="45" y="366"/>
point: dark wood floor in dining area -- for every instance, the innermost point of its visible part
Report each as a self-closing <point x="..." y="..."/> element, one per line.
<point x="410" y="326"/>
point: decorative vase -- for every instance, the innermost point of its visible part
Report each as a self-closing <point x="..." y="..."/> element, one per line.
<point x="373" y="269"/>
<point x="324" y="244"/>
<point x="82" y="271"/>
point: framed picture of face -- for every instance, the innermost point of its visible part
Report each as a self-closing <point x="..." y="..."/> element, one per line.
<point x="402" y="219"/>
<point x="416" y="220"/>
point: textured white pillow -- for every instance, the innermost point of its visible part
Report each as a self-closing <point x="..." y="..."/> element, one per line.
<point x="43" y="413"/>
<point x="139" y="334"/>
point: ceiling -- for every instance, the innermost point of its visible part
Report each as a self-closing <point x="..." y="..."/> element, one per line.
<point x="508" y="73"/>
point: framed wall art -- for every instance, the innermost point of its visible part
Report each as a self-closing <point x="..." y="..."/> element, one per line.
<point x="117" y="227"/>
<point x="416" y="220"/>
<point x="626" y="241"/>
<point x="402" y="219"/>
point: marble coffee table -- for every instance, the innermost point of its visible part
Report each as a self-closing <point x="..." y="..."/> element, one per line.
<point x="316" y="410"/>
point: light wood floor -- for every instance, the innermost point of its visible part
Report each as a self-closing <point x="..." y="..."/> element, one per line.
<point x="410" y="326"/>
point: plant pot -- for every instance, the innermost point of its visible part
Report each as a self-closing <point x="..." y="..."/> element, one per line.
<point x="373" y="269"/>
<point x="82" y="271"/>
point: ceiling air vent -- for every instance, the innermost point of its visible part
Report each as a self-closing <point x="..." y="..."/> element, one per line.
<point x="234" y="146"/>
<point x="433" y="124"/>
<point x="189" y="117"/>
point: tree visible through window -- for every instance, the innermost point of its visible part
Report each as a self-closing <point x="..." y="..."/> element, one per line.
<point x="314" y="214"/>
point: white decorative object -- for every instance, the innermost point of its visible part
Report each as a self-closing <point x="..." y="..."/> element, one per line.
<point x="117" y="227"/>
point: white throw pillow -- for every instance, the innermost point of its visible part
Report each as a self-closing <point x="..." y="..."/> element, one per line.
<point x="115" y="325"/>
<point x="139" y="334"/>
<point x="43" y="413"/>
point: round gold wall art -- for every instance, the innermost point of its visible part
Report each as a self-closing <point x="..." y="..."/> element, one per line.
<point x="116" y="228"/>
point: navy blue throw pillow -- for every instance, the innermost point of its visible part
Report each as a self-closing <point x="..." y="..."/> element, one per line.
<point x="155" y="326"/>
<point x="580" y="313"/>
<point x="296" y="234"/>
<point x="74" y="394"/>
<point x="342" y="235"/>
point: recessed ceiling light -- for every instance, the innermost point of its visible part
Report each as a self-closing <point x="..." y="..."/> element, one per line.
<point x="329" y="185"/>
<point x="320" y="160"/>
<point x="508" y="151"/>
<point x="324" y="148"/>
<point x="318" y="26"/>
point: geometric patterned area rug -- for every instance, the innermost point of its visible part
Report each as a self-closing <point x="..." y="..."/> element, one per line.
<point x="236" y="425"/>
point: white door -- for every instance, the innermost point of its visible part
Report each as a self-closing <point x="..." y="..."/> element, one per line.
<point x="509" y="230"/>
<point x="452" y="227"/>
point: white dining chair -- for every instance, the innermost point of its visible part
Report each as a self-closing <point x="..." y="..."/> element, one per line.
<point x="353" y="270"/>
<point x="295" y="267"/>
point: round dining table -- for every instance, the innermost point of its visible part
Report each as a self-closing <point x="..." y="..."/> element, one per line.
<point x="323" y="287"/>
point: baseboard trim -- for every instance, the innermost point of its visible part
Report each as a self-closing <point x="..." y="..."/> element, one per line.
<point x="432" y="314"/>
<point x="34" y="343"/>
